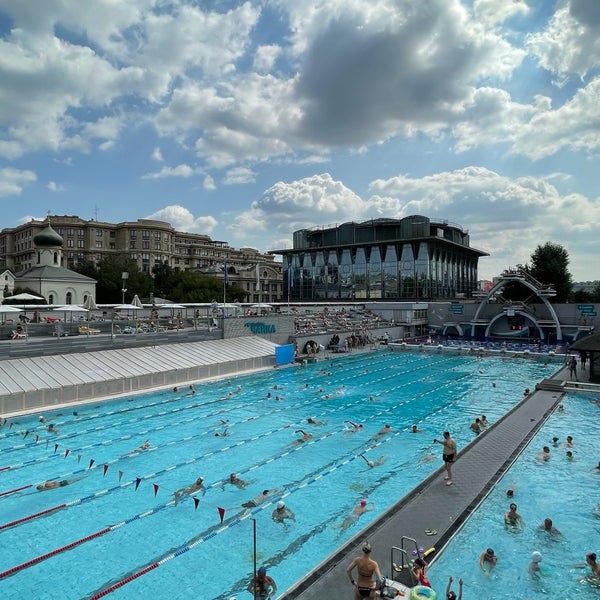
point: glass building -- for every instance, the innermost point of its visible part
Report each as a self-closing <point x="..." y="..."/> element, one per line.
<point x="388" y="259"/>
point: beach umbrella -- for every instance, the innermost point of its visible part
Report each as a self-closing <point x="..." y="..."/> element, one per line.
<point x="90" y="304"/>
<point x="137" y="302"/>
<point x="7" y="308"/>
<point x="127" y="307"/>
<point x="25" y="297"/>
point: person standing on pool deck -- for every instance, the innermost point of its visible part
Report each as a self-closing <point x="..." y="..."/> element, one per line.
<point x="365" y="586"/>
<point x="448" y="454"/>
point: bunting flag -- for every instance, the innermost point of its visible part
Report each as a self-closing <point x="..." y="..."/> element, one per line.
<point x="26" y="434"/>
<point x="120" y="475"/>
<point x="79" y="458"/>
<point x="37" y="439"/>
<point x="196" y="502"/>
<point x="104" y="469"/>
<point x="67" y="452"/>
<point x="221" y="513"/>
<point x="92" y="461"/>
<point x="155" y="489"/>
<point x="55" y="448"/>
<point x="137" y="482"/>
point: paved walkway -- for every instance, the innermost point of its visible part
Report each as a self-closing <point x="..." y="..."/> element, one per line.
<point x="433" y="505"/>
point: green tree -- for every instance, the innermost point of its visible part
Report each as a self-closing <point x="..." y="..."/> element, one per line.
<point x="550" y="265"/>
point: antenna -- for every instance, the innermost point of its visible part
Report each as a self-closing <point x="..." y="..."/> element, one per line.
<point x="95" y="212"/>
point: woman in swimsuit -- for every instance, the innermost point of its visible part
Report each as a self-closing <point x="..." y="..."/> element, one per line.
<point x="365" y="585"/>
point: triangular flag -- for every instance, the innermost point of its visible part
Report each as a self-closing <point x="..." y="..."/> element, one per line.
<point x="26" y="434"/>
<point x="92" y="461"/>
<point x="120" y="475"/>
<point x="155" y="489"/>
<point x="37" y="439"/>
<point x="196" y="502"/>
<point x="55" y="448"/>
<point x="67" y="452"/>
<point x="137" y="482"/>
<point x="79" y="458"/>
<point x="221" y="513"/>
<point x="105" y="468"/>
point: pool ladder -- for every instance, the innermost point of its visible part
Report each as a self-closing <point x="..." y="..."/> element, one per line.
<point x="404" y="562"/>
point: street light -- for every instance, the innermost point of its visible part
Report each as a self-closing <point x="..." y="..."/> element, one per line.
<point x="124" y="277"/>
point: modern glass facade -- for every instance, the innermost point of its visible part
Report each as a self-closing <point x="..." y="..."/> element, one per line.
<point x="388" y="259"/>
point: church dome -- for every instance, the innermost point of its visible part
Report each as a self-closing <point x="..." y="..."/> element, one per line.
<point x="47" y="238"/>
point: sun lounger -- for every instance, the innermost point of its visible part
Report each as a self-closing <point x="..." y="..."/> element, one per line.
<point x="84" y="330"/>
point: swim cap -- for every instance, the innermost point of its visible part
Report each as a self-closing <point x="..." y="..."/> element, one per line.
<point x="262" y="570"/>
<point x="366" y="548"/>
<point x="363" y="502"/>
<point x="536" y="557"/>
<point x="281" y="504"/>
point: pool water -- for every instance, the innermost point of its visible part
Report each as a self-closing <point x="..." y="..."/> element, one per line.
<point x="119" y="523"/>
<point x="565" y="491"/>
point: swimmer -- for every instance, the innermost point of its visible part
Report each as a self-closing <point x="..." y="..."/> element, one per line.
<point x="282" y="512"/>
<point x="544" y="454"/>
<point x="569" y="456"/>
<point x="512" y="518"/>
<point x="383" y="431"/>
<point x="222" y="433"/>
<point x="590" y="559"/>
<point x="569" y="443"/>
<point x="487" y="561"/>
<point x="450" y="595"/>
<point x="305" y="436"/>
<point x="312" y="421"/>
<point x="561" y="408"/>
<point x="235" y="480"/>
<point x="42" y="419"/>
<point x="52" y="485"/>
<point x="352" y="427"/>
<point x="374" y="463"/>
<point x="476" y="425"/>
<point x="534" y="565"/>
<point x="260" y="498"/>
<point x="353" y="517"/>
<point x="52" y="429"/>
<point x="548" y="527"/>
<point x="483" y="421"/>
<point x="192" y="391"/>
<point x="197" y="486"/>
<point x="414" y="429"/>
<point x="555" y="442"/>
<point x="142" y="448"/>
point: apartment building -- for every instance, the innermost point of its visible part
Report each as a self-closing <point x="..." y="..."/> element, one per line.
<point x="149" y="243"/>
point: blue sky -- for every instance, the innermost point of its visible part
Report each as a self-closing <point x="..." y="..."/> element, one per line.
<point x="249" y="120"/>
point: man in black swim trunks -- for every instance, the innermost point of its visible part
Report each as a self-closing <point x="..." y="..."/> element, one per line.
<point x="448" y="454"/>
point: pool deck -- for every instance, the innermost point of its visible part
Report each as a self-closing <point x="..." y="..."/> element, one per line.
<point x="433" y="505"/>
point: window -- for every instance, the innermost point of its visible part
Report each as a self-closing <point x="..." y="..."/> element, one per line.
<point x="145" y="234"/>
<point x="70" y="244"/>
<point x="68" y="298"/>
<point x="98" y="244"/>
<point x="50" y="298"/>
<point x="112" y="234"/>
<point x="132" y="245"/>
<point x="81" y="243"/>
<point x="81" y="232"/>
<point x="145" y="245"/>
<point x="133" y="234"/>
<point x="111" y="245"/>
<point x="157" y="245"/>
<point x="70" y="232"/>
<point x="98" y="232"/>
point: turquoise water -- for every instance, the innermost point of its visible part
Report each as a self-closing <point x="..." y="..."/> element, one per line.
<point x="123" y="508"/>
<point x="565" y="491"/>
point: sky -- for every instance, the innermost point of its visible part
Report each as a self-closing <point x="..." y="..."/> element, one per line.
<point x="247" y="121"/>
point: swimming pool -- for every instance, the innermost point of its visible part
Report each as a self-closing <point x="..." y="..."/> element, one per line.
<point x="562" y="490"/>
<point x="119" y="523"/>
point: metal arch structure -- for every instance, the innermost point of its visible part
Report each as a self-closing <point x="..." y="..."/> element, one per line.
<point x="543" y="292"/>
<point x="523" y="313"/>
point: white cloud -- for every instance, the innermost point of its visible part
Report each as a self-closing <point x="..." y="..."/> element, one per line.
<point x="157" y="155"/>
<point x="178" y="171"/>
<point x="12" y="181"/>
<point x="54" y="187"/>
<point x="238" y="175"/>
<point x="265" y="57"/>
<point x="506" y="217"/>
<point x="571" y="42"/>
<point x="183" y="220"/>
<point x="494" y="12"/>
<point x="209" y="183"/>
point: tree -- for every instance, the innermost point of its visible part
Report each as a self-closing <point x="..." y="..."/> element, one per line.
<point x="549" y="265"/>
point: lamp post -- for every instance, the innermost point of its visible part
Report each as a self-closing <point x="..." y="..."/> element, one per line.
<point x="124" y="277"/>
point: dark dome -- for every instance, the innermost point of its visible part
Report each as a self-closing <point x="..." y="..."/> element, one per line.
<point x="47" y="238"/>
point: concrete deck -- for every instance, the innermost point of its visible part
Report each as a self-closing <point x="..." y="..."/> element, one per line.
<point x="433" y="505"/>
<point x="31" y="384"/>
